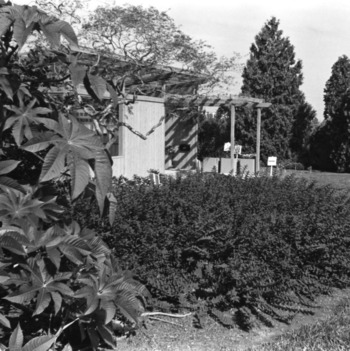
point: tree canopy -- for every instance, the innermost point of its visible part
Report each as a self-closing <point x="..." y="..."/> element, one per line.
<point x="273" y="73"/>
<point x="145" y="37"/>
<point x="333" y="135"/>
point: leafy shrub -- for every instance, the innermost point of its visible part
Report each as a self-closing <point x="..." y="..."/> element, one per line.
<point x="59" y="284"/>
<point x="259" y="248"/>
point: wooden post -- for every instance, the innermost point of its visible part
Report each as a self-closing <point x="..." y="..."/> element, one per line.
<point x="258" y="129"/>
<point x="233" y="121"/>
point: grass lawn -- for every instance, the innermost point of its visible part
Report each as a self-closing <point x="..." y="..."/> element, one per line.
<point x="331" y="334"/>
<point x="327" y="330"/>
<point x="339" y="181"/>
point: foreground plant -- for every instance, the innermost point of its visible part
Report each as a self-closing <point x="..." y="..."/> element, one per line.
<point x="59" y="284"/>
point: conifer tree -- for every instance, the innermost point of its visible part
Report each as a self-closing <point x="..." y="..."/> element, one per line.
<point x="337" y="115"/>
<point x="273" y="73"/>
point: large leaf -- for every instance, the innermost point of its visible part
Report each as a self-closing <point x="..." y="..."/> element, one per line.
<point x="8" y="166"/>
<point x="24" y="117"/>
<point x="54" y="164"/>
<point x="80" y="174"/>
<point x="97" y="84"/>
<point x="5" y="23"/>
<point x="16" y="339"/>
<point x="10" y="243"/>
<point x="74" y="145"/>
<point x="6" y="86"/>
<point x="112" y="207"/>
<point x="9" y="183"/>
<point x="103" y="173"/>
<point x="41" y="286"/>
<point x="77" y="71"/>
<point x="23" y="20"/>
<point x="40" y="343"/>
<point x="4" y="321"/>
<point x="17" y="207"/>
<point x="40" y="142"/>
<point x="53" y="32"/>
<point x="107" y="335"/>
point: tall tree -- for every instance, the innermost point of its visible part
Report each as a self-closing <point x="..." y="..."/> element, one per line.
<point x="273" y="73"/>
<point x="337" y="115"/>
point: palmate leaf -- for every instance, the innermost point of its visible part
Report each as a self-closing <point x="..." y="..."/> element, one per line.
<point x="73" y="146"/>
<point x="41" y="286"/>
<point x="23" y="117"/>
<point x="107" y="292"/>
<point x="23" y="20"/>
<point x="16" y="207"/>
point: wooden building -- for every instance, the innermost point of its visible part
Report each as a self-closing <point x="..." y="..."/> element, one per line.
<point x="162" y="140"/>
<point x="156" y="130"/>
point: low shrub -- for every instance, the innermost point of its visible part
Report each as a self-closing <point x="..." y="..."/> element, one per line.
<point x="238" y="249"/>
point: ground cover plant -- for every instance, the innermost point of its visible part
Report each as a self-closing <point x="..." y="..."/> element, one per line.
<point x="241" y="250"/>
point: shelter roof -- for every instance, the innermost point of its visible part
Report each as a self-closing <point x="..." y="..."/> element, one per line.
<point x="177" y="80"/>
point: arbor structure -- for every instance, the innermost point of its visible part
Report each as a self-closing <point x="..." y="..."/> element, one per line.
<point x="273" y="73"/>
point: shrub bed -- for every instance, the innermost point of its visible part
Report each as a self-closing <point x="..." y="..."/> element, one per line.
<point x="238" y="249"/>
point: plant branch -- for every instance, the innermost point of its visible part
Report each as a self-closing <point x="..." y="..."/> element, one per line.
<point x="146" y="314"/>
<point x="48" y="80"/>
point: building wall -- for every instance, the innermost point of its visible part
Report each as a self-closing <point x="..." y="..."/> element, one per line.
<point x="137" y="156"/>
<point x="181" y="136"/>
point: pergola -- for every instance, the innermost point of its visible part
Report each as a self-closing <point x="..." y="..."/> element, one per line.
<point x="174" y="83"/>
<point x="232" y="102"/>
<point x="136" y="75"/>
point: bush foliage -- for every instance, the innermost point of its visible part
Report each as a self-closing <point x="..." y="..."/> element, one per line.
<point x="238" y="249"/>
<point x="60" y="287"/>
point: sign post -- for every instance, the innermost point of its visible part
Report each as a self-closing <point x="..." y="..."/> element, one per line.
<point x="271" y="161"/>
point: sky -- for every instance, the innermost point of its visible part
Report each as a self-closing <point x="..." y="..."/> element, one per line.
<point x="319" y="31"/>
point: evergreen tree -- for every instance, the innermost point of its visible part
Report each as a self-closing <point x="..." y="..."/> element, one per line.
<point x="273" y="73"/>
<point x="337" y="115"/>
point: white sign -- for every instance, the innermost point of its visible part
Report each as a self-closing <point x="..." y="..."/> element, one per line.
<point x="272" y="161"/>
<point x="227" y="147"/>
<point x="237" y="150"/>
